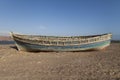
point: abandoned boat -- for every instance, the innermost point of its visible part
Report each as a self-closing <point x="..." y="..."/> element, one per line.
<point x="58" y="43"/>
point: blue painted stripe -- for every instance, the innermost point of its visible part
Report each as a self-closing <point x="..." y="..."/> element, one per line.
<point x="28" y="46"/>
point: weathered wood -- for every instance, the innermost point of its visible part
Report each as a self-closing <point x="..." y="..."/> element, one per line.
<point x="56" y="43"/>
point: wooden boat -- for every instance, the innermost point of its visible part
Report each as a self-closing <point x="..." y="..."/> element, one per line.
<point x="57" y="43"/>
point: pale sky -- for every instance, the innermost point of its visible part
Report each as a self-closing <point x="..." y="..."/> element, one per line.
<point x="60" y="17"/>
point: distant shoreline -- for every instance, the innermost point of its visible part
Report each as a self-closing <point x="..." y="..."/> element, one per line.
<point x="5" y="42"/>
<point x="115" y="41"/>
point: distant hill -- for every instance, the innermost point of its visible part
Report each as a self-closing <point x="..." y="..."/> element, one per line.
<point x="5" y="38"/>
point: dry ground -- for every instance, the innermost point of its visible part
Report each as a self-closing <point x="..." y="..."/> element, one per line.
<point x="91" y="65"/>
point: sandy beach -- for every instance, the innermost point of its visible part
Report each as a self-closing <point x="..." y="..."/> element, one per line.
<point x="90" y="65"/>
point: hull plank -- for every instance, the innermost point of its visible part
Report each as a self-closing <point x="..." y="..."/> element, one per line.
<point x="30" y="45"/>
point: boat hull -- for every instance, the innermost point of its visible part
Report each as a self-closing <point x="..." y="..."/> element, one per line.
<point x="37" y="47"/>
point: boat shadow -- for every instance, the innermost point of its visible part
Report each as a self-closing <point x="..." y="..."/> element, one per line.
<point x="14" y="47"/>
<point x="86" y="51"/>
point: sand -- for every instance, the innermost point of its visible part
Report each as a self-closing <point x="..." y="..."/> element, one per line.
<point x="90" y="65"/>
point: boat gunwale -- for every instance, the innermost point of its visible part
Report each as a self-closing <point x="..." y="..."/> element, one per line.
<point x="42" y="36"/>
<point x="108" y="34"/>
